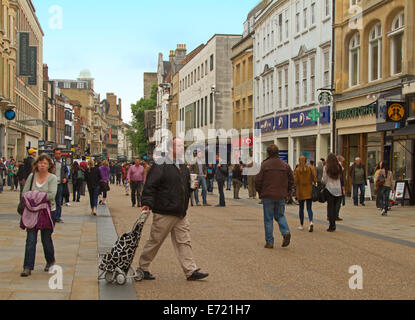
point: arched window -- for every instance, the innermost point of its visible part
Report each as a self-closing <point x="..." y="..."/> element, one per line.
<point x="396" y="36"/>
<point x="354" y="60"/>
<point x="375" y="53"/>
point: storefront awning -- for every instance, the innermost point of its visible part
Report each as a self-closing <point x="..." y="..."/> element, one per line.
<point x="408" y="131"/>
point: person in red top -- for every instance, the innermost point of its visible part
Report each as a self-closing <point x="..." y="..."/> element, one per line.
<point x="84" y="164"/>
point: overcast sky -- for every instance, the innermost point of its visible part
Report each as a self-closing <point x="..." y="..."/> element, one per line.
<point x="118" y="43"/>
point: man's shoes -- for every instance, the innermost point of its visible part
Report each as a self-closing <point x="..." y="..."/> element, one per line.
<point x="287" y="240"/>
<point x="363" y="205"/>
<point x="269" y="246"/>
<point x="48" y="266"/>
<point x="59" y="221"/>
<point x="207" y="205"/>
<point x="148" y="275"/>
<point x="26" y="273"/>
<point x="198" y="205"/>
<point x="133" y="205"/>
<point x="339" y="219"/>
<point x="197" y="276"/>
<point x="331" y="230"/>
<point x="311" y="229"/>
<point x="219" y="206"/>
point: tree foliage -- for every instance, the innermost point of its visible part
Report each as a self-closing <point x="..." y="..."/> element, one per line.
<point x="137" y="134"/>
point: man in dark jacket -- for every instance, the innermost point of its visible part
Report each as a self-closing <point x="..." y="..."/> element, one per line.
<point x="274" y="184"/>
<point x="358" y="176"/>
<point x="167" y="193"/>
<point x="221" y="177"/>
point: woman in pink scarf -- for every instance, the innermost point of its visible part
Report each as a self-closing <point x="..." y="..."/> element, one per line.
<point x="39" y="198"/>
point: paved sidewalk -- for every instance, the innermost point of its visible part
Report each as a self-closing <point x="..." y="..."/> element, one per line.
<point x="75" y="244"/>
<point x="400" y="223"/>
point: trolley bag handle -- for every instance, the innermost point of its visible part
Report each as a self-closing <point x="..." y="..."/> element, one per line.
<point x="142" y="218"/>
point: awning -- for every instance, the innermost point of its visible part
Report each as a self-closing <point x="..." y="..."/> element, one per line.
<point x="408" y="131"/>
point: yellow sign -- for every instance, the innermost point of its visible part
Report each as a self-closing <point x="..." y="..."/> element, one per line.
<point x="396" y="112"/>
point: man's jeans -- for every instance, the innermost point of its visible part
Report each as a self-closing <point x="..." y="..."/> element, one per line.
<point x="356" y="188"/>
<point x="201" y="182"/>
<point x="210" y="182"/>
<point x="30" y="251"/>
<point x="136" y="189"/>
<point x="274" y="209"/>
<point x="112" y="179"/>
<point x="59" y="199"/>
<point x="221" y="185"/>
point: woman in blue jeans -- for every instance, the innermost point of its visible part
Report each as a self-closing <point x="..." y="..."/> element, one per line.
<point x="42" y="200"/>
<point x="93" y="177"/>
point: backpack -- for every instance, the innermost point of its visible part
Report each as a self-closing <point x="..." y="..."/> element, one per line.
<point x="81" y="175"/>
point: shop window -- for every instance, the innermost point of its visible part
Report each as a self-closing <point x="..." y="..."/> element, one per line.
<point x="412" y="108"/>
<point x="402" y="160"/>
<point x="374" y="153"/>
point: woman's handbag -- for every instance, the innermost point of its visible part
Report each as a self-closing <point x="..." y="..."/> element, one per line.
<point x="315" y="194"/>
<point x="104" y="186"/>
<point x="322" y="196"/>
<point x="21" y="206"/>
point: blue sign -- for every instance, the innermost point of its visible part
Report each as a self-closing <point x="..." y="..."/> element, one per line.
<point x="301" y="119"/>
<point x="282" y="122"/>
<point x="10" y="115"/>
<point x="266" y="125"/>
<point x="325" y="115"/>
<point x="284" y="155"/>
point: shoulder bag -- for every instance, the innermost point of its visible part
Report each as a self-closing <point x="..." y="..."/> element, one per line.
<point x="21" y="206"/>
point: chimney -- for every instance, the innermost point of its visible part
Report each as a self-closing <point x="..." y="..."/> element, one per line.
<point x="45" y="72"/>
<point x="180" y="53"/>
<point x="171" y="57"/>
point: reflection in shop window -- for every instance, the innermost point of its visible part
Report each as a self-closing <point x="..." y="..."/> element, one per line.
<point x="402" y="162"/>
<point x="374" y="153"/>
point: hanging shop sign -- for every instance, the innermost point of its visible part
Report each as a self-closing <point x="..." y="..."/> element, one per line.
<point x="325" y="115"/>
<point x="266" y="125"/>
<point x="301" y="119"/>
<point x="356" y="112"/>
<point x="396" y="112"/>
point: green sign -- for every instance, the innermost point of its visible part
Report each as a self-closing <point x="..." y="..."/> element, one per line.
<point x="33" y="66"/>
<point x="324" y="98"/>
<point x="314" y="115"/>
<point x="355" y="112"/>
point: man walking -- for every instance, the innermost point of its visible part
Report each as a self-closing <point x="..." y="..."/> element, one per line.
<point x="166" y="193"/>
<point x="200" y="169"/>
<point x="118" y="173"/>
<point x="274" y="184"/>
<point x="112" y="172"/>
<point x="221" y="176"/>
<point x="358" y="176"/>
<point x="62" y="175"/>
<point x="251" y="183"/>
<point x="136" y="178"/>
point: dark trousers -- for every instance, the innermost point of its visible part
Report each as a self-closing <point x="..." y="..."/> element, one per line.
<point x="30" y="251"/>
<point x="93" y="197"/>
<point x="112" y="178"/>
<point x="118" y="179"/>
<point x="210" y="182"/>
<point x="221" y="185"/>
<point x="76" y="188"/>
<point x="237" y="184"/>
<point x="136" y="192"/>
<point x="59" y="199"/>
<point x="332" y="204"/>
<point x="356" y="188"/>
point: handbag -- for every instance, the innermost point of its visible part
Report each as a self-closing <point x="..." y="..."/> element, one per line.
<point x="322" y="196"/>
<point x="315" y="189"/>
<point x="21" y="206"/>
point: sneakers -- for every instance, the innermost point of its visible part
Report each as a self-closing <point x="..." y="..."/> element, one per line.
<point x="197" y="276"/>
<point x="269" y="246"/>
<point x="301" y="228"/>
<point x="287" y="240"/>
<point x="207" y="205"/>
<point x="311" y="229"/>
<point x="384" y="213"/>
<point x="26" y="273"/>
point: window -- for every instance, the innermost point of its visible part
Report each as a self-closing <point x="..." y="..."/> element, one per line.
<point x="297" y="20"/>
<point x="198" y="73"/>
<point x="211" y="108"/>
<point x="354" y="60"/>
<point x="313" y="78"/>
<point x="305" y="17"/>
<point x="397" y="43"/>
<point x="375" y="53"/>
<point x="326" y="8"/>
<point x="297" y="83"/>
<point x="280" y="28"/>
<point x="206" y="68"/>
<point x="272" y="92"/>
<point x="313" y="13"/>
<point x="286" y="86"/>
<point x="280" y="88"/>
<point x="211" y="63"/>
<point x="305" y="88"/>
<point x="263" y="96"/>
<point x="206" y="111"/>
<point x="326" y="70"/>
<point x="287" y="24"/>
<point x="354" y="2"/>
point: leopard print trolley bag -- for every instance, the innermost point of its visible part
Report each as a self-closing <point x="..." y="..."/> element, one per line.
<point x="114" y="266"/>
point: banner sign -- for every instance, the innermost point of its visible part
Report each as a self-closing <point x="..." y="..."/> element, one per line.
<point x="266" y="125"/>
<point x="33" y="66"/>
<point x="356" y="112"/>
<point x="325" y="115"/>
<point x="396" y="111"/>
<point x="301" y="119"/>
<point x="282" y="122"/>
<point x="24" y="69"/>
